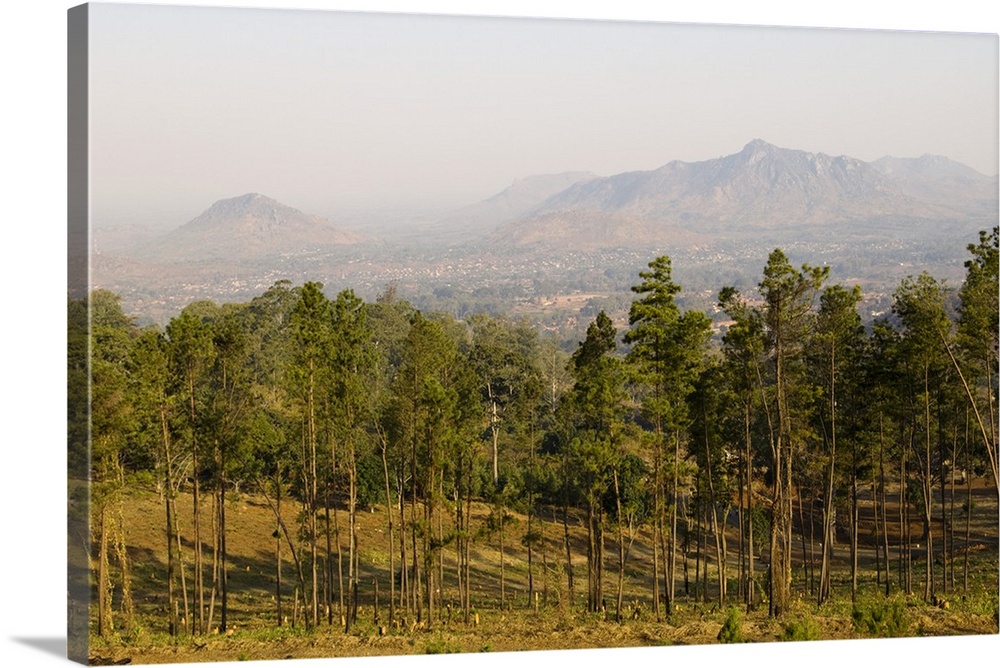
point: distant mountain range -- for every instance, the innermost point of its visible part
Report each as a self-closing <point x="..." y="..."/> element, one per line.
<point x="877" y="219"/>
<point x="761" y="192"/>
<point x="761" y="189"/>
<point x="515" y="201"/>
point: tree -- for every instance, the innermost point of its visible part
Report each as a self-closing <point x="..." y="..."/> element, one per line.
<point x="743" y="350"/>
<point x="427" y="419"/>
<point x="979" y="314"/>
<point x="836" y="343"/>
<point x="310" y="323"/>
<point x="710" y="401"/>
<point x="229" y="411"/>
<point x="595" y="409"/>
<point x="157" y="407"/>
<point x="503" y="356"/>
<point x="190" y="351"/>
<point x="668" y="348"/>
<point x="788" y="301"/>
<point x="353" y="409"/>
<point x="113" y="421"/>
<point x="919" y="304"/>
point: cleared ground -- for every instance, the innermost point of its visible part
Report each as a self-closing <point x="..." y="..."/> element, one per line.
<point x="519" y="624"/>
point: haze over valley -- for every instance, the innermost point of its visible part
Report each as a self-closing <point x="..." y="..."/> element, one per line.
<point x="559" y="247"/>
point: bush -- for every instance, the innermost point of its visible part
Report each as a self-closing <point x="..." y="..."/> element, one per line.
<point x="881" y="619"/>
<point x="441" y="646"/>
<point x="731" y="631"/>
<point x="801" y="629"/>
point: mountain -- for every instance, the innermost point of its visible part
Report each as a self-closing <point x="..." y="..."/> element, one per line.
<point x="937" y="179"/>
<point x="762" y="189"/>
<point x="248" y="227"/>
<point x="519" y="198"/>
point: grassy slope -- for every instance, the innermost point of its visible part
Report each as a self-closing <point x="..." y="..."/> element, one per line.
<point x="518" y="626"/>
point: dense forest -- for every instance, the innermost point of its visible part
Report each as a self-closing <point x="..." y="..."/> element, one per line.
<point x="326" y="407"/>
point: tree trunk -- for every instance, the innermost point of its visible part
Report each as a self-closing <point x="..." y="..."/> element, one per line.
<point x="392" y="546"/>
<point x="566" y="540"/>
<point x="749" y="481"/>
<point x="223" y="579"/>
<point x="168" y="483"/>
<point x="277" y="544"/>
<point x="621" y="551"/>
<point x="105" y="620"/>
<point x="720" y="565"/>
<point x="928" y="492"/>
<point x="404" y="597"/>
<point x="196" y="501"/>
<point x="672" y="554"/>
<point x="657" y="529"/>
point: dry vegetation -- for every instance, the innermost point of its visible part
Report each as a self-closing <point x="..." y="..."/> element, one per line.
<point x="520" y="625"/>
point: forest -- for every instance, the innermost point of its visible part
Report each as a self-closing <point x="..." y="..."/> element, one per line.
<point x="797" y="453"/>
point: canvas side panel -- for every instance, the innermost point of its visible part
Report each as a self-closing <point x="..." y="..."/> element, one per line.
<point x="78" y="337"/>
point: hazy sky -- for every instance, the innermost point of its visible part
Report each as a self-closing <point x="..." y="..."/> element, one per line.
<point x="335" y="111"/>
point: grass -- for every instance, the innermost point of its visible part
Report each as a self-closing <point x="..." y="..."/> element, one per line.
<point x="513" y="626"/>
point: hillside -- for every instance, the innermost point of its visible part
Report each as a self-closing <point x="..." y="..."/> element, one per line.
<point x="520" y="624"/>
<point x="788" y="194"/>
<point x="249" y="227"/>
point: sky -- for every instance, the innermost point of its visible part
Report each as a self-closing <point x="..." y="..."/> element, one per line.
<point x="339" y="112"/>
<point x="33" y="338"/>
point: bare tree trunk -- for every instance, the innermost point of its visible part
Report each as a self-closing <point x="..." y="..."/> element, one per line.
<point x="566" y="540"/>
<point x="404" y="597"/>
<point x="885" y="522"/>
<point x="657" y="528"/>
<point x="741" y="581"/>
<point x="105" y="619"/>
<point x="854" y="522"/>
<point x="340" y="561"/>
<point x="352" y="500"/>
<point x="672" y="556"/>
<point x="312" y="495"/>
<point x="277" y="544"/>
<point x="968" y="531"/>
<point x="388" y="518"/>
<point x="503" y="581"/>
<point x="124" y="567"/>
<point x="468" y="544"/>
<point x="170" y="511"/>
<point x="749" y="481"/>
<point x="721" y="567"/>
<point x="806" y="562"/>
<point x="328" y="566"/>
<point x="196" y="502"/>
<point x="928" y="492"/>
<point x="296" y="556"/>
<point x="621" y="549"/>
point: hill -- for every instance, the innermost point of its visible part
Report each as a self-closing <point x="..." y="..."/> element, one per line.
<point x="787" y="194"/>
<point x="248" y="227"/>
<point x="518" y="199"/>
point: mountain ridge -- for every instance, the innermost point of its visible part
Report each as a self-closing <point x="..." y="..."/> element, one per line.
<point x="760" y="188"/>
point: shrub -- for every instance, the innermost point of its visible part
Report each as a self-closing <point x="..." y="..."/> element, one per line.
<point x="881" y="619"/>
<point x="801" y="629"/>
<point x="440" y="646"/>
<point x="731" y="631"/>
